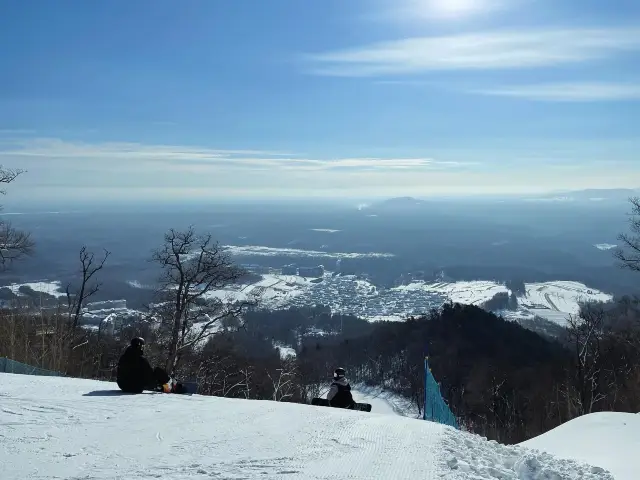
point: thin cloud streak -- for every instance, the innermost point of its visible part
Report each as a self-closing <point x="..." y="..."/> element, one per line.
<point x="179" y="157"/>
<point x="490" y="50"/>
<point x="53" y="147"/>
<point x="569" y="92"/>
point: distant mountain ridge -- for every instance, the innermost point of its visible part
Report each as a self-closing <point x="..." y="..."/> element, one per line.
<point x="589" y="195"/>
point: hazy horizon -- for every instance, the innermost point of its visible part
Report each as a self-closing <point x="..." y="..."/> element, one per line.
<point x="14" y="204"/>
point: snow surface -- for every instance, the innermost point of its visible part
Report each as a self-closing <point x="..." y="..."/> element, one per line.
<point x="271" y="290"/>
<point x="384" y="402"/>
<point x="51" y="288"/>
<point x="551" y="300"/>
<point x="257" y="250"/>
<point x="608" y="439"/>
<point x="84" y="429"/>
<point x="470" y="293"/>
<point x="605" y="246"/>
<point x="285" y="352"/>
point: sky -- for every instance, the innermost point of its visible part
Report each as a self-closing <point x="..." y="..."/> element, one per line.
<point x="144" y="100"/>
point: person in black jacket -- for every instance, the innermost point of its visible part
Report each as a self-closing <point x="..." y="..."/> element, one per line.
<point x="134" y="372"/>
<point x="340" y="392"/>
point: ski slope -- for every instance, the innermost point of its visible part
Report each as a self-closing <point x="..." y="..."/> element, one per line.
<point x="378" y="404"/>
<point x="81" y="429"/>
<point x="609" y="439"/>
<point x="384" y="402"/>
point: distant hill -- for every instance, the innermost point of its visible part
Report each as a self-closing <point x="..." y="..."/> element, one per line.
<point x="397" y="204"/>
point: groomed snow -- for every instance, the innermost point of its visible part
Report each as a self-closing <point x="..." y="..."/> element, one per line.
<point x="384" y="402"/>
<point x="608" y="439"/>
<point x="83" y="429"/>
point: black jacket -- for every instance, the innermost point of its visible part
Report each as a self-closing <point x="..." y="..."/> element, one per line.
<point x="340" y="394"/>
<point x="134" y="372"/>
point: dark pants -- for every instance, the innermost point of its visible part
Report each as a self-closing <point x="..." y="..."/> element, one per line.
<point x="159" y="378"/>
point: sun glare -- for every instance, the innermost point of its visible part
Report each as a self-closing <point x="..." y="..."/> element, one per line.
<point x="449" y="8"/>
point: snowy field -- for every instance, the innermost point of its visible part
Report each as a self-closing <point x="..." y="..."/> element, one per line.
<point x="83" y="429"/>
<point x="551" y="300"/>
<point x="556" y="300"/>
<point x="272" y="290"/>
<point x="260" y="251"/>
<point x="51" y="288"/>
<point x="468" y="293"/>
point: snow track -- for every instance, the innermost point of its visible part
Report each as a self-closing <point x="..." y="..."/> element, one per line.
<point x="81" y="429"/>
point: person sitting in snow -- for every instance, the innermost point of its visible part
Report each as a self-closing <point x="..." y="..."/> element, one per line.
<point x="339" y="395"/>
<point x="134" y="372"/>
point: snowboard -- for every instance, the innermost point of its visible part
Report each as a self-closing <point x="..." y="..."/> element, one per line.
<point x="323" y="402"/>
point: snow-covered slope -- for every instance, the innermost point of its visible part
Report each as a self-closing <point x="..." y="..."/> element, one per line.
<point x="608" y="439"/>
<point x="82" y="429"/>
<point x="554" y="301"/>
<point x="384" y="402"/>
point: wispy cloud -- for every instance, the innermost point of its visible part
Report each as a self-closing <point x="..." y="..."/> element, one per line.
<point x="53" y="147"/>
<point x="570" y="92"/>
<point x="52" y="150"/>
<point x="491" y="50"/>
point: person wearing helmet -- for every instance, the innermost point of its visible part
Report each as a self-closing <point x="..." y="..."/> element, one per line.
<point x="134" y="372"/>
<point x="339" y="395"/>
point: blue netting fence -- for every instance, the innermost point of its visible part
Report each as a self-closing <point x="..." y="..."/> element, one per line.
<point x="11" y="366"/>
<point x="435" y="408"/>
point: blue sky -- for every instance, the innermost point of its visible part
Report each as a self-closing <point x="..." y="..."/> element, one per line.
<point x="168" y="99"/>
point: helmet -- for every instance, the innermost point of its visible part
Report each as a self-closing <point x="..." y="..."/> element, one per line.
<point x="338" y="373"/>
<point x="137" y="342"/>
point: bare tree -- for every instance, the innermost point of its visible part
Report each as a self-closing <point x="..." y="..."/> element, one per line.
<point x="194" y="267"/>
<point x="586" y="332"/>
<point x="14" y="243"/>
<point x="76" y="300"/>
<point x="629" y="254"/>
<point x="284" y="384"/>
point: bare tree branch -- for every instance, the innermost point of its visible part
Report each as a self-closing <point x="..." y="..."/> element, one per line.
<point x="76" y="300"/>
<point x="629" y="254"/>
<point x="14" y="243"/>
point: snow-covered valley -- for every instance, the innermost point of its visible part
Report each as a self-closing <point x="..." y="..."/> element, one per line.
<point x="69" y="428"/>
<point x="350" y="294"/>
